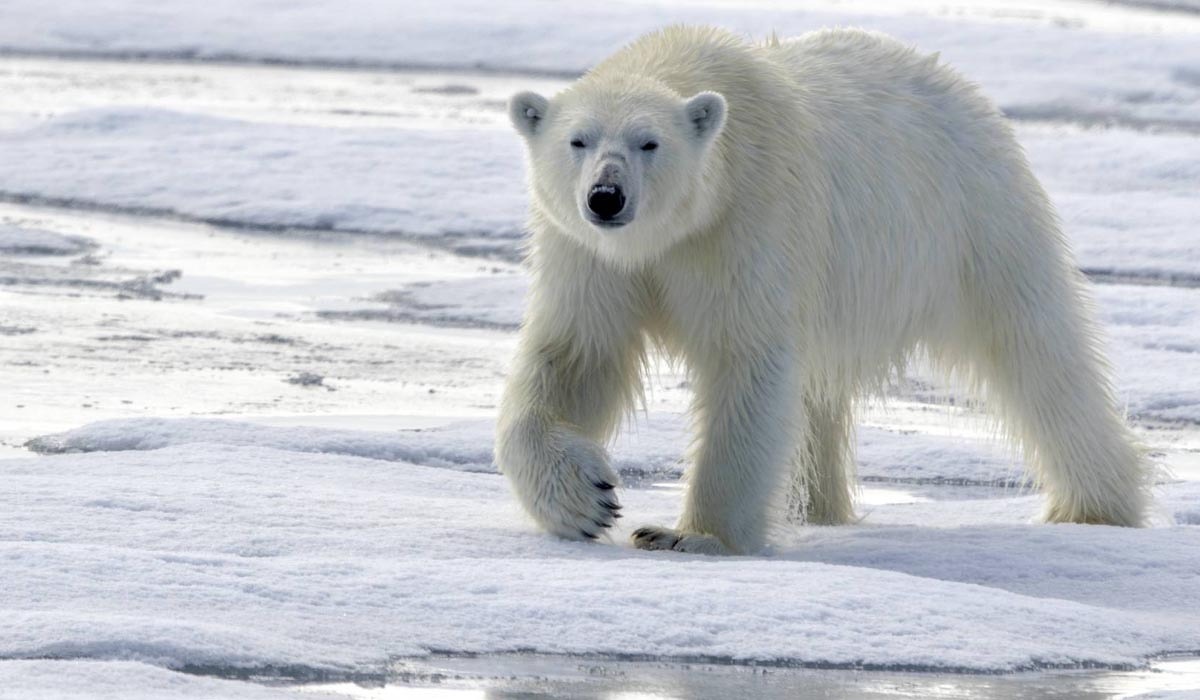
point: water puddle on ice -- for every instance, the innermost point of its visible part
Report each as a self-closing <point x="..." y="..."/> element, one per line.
<point x="536" y="676"/>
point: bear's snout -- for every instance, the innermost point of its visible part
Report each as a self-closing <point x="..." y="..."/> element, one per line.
<point x="606" y="202"/>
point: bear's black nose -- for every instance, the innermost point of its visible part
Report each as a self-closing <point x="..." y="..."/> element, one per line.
<point x="606" y="201"/>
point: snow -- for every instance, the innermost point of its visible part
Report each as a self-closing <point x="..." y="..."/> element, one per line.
<point x="1165" y="695"/>
<point x="1192" y="5"/>
<point x="324" y="500"/>
<point x="15" y="240"/>
<point x="1147" y="75"/>
<point x="1127" y="198"/>
<point x="126" y="680"/>
<point x="1154" y="335"/>
<point x="480" y="301"/>
<point x="464" y="445"/>
<point x="418" y="182"/>
<point x="252" y="557"/>
<point x="1142" y="573"/>
<point x="650" y="447"/>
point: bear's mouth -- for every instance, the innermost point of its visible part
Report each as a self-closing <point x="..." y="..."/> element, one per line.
<point x="608" y="224"/>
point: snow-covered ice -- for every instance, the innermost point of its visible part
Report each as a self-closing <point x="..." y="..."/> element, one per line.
<point x="651" y="447"/>
<point x="415" y="182"/>
<point x="1127" y="198"/>
<point x="1154" y="335"/>
<point x="1148" y="74"/>
<point x="480" y="301"/>
<point x="15" y="240"/>
<point x="128" y="680"/>
<point x="240" y="556"/>
<point x="181" y="240"/>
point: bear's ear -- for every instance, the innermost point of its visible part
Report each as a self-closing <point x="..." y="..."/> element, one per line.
<point x="705" y="113"/>
<point x="527" y="110"/>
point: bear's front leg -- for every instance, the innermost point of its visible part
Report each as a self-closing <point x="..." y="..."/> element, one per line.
<point x="745" y="418"/>
<point x="576" y="373"/>
<point x="558" y="408"/>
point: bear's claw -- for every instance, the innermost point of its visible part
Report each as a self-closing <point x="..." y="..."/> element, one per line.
<point x="575" y="496"/>
<point x="653" y="538"/>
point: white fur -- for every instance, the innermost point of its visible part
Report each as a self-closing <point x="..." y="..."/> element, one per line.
<point x="816" y="212"/>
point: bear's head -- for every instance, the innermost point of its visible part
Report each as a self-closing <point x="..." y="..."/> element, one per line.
<point x="621" y="167"/>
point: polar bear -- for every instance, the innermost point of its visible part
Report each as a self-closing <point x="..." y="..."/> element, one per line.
<point x="794" y="220"/>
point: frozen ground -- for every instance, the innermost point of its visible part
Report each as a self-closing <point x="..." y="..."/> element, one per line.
<point x="255" y="319"/>
<point x="1128" y="197"/>
<point x="234" y="556"/>
<point x="1144" y="75"/>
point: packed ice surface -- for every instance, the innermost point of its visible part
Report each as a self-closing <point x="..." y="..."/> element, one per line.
<point x="480" y="301"/>
<point x="289" y="538"/>
<point x="242" y="556"/>
<point x="651" y="447"/>
<point x="1126" y="198"/>
<point x="15" y="240"/>
<point x="427" y="183"/>
<point x="1154" y="336"/>
<point x="1144" y="76"/>
<point x="128" y="680"/>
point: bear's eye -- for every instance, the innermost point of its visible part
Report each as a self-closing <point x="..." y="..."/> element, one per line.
<point x="578" y="143"/>
<point x="649" y="145"/>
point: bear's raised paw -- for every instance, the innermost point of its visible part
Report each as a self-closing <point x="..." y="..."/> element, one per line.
<point x="564" y="481"/>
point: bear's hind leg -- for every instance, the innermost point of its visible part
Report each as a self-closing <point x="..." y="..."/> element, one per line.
<point x="1029" y="344"/>
<point x="822" y="485"/>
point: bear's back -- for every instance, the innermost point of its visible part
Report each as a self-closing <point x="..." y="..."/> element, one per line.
<point x="853" y="75"/>
<point x="818" y="77"/>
